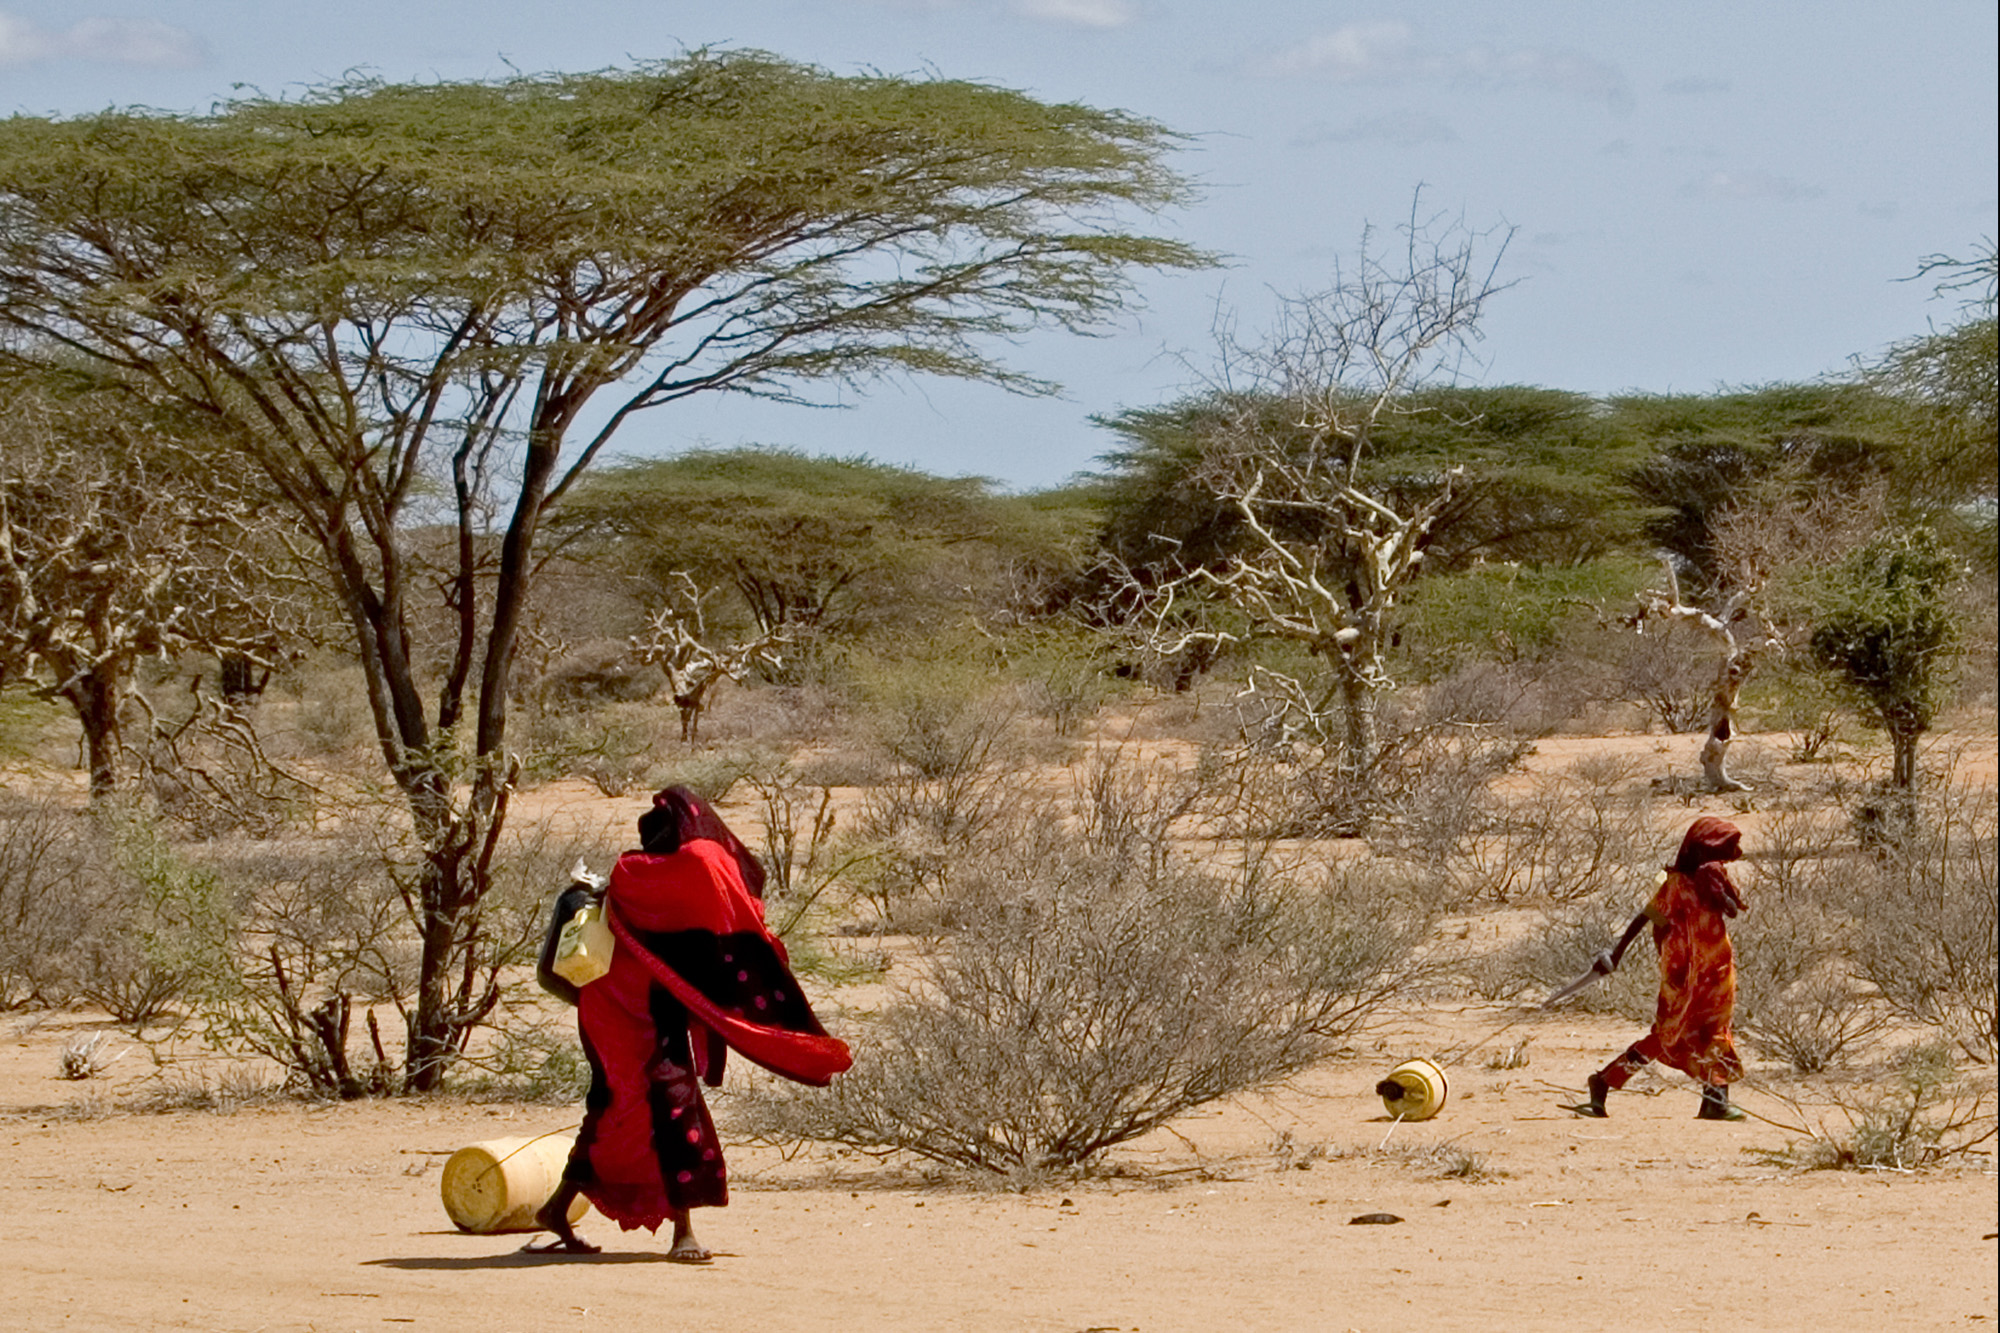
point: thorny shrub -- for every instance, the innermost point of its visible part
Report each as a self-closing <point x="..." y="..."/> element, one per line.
<point x="1427" y="784"/>
<point x="327" y="950"/>
<point x="1572" y="835"/>
<point x="1927" y="1118"/>
<point x="52" y="863"/>
<point x="93" y="907"/>
<point x="955" y="783"/>
<point x="1795" y="998"/>
<point x="1925" y="913"/>
<point x="1094" y="987"/>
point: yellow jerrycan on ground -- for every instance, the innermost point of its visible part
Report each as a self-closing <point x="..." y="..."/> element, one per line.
<point x="500" y="1184"/>
<point x="1414" y="1090"/>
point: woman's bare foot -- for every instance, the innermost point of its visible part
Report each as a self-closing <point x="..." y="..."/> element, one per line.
<point x="686" y="1249"/>
<point x="554" y="1216"/>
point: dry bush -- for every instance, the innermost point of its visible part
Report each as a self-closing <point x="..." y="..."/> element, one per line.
<point x="1526" y="699"/>
<point x="1558" y="946"/>
<point x="1803" y="850"/>
<point x="210" y="774"/>
<point x="52" y="869"/>
<point x="323" y="929"/>
<point x="1925" y="913"/>
<point x="591" y="676"/>
<point x="1573" y="835"/>
<point x="1426" y="787"/>
<point x="222" y="1091"/>
<point x="1817" y="1022"/>
<point x="1446" y="1159"/>
<point x="529" y="1062"/>
<point x="1795" y="999"/>
<point x="612" y="747"/>
<point x="1928" y="1118"/>
<point x="956" y="782"/>
<point x="94" y="907"/>
<point x="324" y="965"/>
<point x="1087" y="996"/>
<point x="1669" y="672"/>
<point x="804" y="859"/>
<point x="317" y="708"/>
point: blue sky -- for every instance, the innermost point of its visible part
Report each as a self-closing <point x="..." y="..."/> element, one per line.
<point x="1703" y="193"/>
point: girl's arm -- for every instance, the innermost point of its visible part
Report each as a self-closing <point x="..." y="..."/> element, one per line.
<point x="1617" y="954"/>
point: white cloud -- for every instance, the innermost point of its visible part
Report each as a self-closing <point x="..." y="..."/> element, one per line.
<point x="1390" y="51"/>
<point x="1080" y="13"/>
<point x="1399" y="129"/>
<point x="1357" y="51"/>
<point x="117" y="41"/>
<point x="1754" y="185"/>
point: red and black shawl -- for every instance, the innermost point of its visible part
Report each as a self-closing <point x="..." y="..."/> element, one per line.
<point x="695" y="973"/>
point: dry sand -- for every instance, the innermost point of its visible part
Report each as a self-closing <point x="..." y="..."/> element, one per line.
<point x="286" y="1217"/>
<point x="329" y="1218"/>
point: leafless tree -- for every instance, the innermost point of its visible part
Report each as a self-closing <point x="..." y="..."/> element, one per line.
<point x="678" y="641"/>
<point x="1759" y="543"/>
<point x="121" y="539"/>
<point x="1329" y="543"/>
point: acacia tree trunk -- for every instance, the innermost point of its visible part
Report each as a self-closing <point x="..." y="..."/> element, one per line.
<point x="94" y="695"/>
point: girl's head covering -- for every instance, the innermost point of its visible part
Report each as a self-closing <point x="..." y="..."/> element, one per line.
<point x="679" y="816"/>
<point x="1709" y="845"/>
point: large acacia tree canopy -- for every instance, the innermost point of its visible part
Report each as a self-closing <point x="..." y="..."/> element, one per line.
<point x="393" y="294"/>
<point x="747" y="220"/>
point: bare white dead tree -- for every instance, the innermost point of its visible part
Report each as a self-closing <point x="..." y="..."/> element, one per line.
<point x="120" y="541"/>
<point x="1759" y="543"/>
<point x="1290" y="422"/>
<point x="678" y="641"/>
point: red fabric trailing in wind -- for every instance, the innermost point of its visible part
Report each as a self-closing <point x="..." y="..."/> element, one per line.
<point x="651" y="903"/>
<point x="695" y="968"/>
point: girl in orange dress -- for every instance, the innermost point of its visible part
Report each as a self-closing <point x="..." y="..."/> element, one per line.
<point x="1690" y="920"/>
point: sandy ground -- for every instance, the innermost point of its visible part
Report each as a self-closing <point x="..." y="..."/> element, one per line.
<point x="287" y="1217"/>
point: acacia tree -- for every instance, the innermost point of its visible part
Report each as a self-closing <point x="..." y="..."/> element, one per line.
<point x="807" y="545"/>
<point x="1322" y="545"/>
<point x="121" y="539"/>
<point x="425" y="306"/>
<point x="1952" y="375"/>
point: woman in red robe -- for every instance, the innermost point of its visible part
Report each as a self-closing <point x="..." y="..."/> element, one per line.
<point x="695" y="973"/>
<point x="1690" y="920"/>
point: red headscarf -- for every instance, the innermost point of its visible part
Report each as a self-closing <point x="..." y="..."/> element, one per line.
<point x="679" y="816"/>
<point x="1711" y="843"/>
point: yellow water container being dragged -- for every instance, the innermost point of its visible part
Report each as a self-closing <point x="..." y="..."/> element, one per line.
<point x="1414" y="1090"/>
<point x="500" y="1184"/>
<point x="583" y="950"/>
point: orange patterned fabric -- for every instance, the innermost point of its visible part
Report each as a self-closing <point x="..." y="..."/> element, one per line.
<point x="1697" y="966"/>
